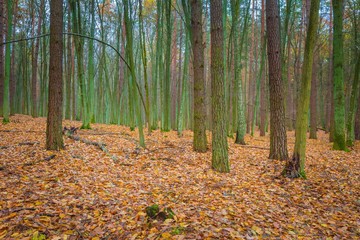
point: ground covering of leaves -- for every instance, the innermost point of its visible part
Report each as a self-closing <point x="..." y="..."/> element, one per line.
<point x="82" y="193"/>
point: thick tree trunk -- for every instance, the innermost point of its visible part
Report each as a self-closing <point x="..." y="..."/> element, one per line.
<point x="220" y="161"/>
<point x="54" y="139"/>
<point x="278" y="138"/>
<point x="199" y="141"/>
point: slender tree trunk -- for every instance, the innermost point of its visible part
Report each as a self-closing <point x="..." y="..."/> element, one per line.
<point x="330" y="119"/>
<point x="238" y="90"/>
<point x="313" y="98"/>
<point x="278" y="138"/>
<point x="68" y="71"/>
<point x="6" y="96"/>
<point x="1" y="56"/>
<point x="357" y="121"/>
<point x="167" y="79"/>
<point x="144" y="61"/>
<point x="199" y="141"/>
<point x="338" y="73"/>
<point x="130" y="56"/>
<point x="263" y="102"/>
<point x="295" y="166"/>
<point x="91" y="65"/>
<point x="220" y="161"/>
<point x="54" y="140"/>
<point x="34" y="79"/>
<point x="353" y="104"/>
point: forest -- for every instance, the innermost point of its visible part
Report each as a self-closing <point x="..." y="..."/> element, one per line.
<point x="179" y="119"/>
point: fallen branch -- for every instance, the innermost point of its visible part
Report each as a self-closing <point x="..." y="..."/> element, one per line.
<point x="28" y="143"/>
<point x="101" y="146"/>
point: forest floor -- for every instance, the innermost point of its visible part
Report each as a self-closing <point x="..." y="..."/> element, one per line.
<point x="85" y="193"/>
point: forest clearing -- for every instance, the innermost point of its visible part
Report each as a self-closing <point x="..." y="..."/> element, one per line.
<point x="82" y="193"/>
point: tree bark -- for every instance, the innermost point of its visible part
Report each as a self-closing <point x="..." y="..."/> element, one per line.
<point x="295" y="166"/>
<point x="278" y="138"/>
<point x="6" y="88"/>
<point x="220" y="161"/>
<point x="1" y="55"/>
<point x="357" y="121"/>
<point x="313" y="98"/>
<point x="338" y="73"/>
<point x="34" y="80"/>
<point x="263" y="102"/>
<point x="54" y="139"/>
<point x="199" y="141"/>
<point x="353" y="104"/>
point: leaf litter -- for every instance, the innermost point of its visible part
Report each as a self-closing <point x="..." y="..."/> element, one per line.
<point x="82" y="193"/>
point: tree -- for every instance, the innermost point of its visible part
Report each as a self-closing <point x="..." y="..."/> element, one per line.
<point x="295" y="166"/>
<point x="220" y="161"/>
<point x="278" y="139"/>
<point x="54" y="140"/>
<point x="1" y="55"/>
<point x="313" y="98"/>
<point x="6" y="86"/>
<point x="199" y="141"/>
<point x="35" y="53"/>
<point x="353" y="104"/>
<point x="338" y="74"/>
<point x="238" y="89"/>
<point x="357" y="122"/>
<point x="79" y="47"/>
<point x="130" y="56"/>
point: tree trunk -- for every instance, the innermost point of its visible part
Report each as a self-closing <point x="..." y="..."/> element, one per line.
<point x="263" y="102"/>
<point x="338" y="73"/>
<point x="295" y="166"/>
<point x="278" y="138"/>
<point x="353" y="104"/>
<point x="54" y="139"/>
<point x="1" y="55"/>
<point x="313" y="98"/>
<point x="6" y="95"/>
<point x="220" y="161"/>
<point x="199" y="141"/>
<point x="167" y="79"/>
<point x="35" y="53"/>
<point x="238" y="89"/>
<point x="357" y="121"/>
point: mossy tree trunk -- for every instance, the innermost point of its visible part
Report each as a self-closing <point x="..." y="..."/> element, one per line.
<point x="238" y="89"/>
<point x="220" y="161"/>
<point x="133" y="91"/>
<point x="338" y="73"/>
<point x="357" y="122"/>
<point x="353" y="104"/>
<point x="278" y="138"/>
<point x="199" y="141"/>
<point x="54" y="139"/>
<point x="295" y="166"/>
<point x="313" y="98"/>
<point x="6" y="86"/>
